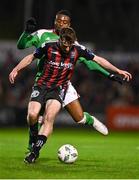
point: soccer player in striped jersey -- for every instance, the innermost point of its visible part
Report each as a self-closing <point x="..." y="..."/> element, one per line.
<point x="60" y="60"/>
<point x="71" y="102"/>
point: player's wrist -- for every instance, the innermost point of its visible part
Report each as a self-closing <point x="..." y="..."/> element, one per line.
<point x="118" y="71"/>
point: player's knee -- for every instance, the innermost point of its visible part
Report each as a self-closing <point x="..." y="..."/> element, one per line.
<point x="32" y="116"/>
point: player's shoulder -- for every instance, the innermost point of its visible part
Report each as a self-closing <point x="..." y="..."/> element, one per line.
<point x="43" y="30"/>
<point x="40" y="32"/>
<point x="50" y="42"/>
<point x="79" y="46"/>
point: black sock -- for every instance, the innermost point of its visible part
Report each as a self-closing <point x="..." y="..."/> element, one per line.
<point x="33" y="132"/>
<point x="41" y="140"/>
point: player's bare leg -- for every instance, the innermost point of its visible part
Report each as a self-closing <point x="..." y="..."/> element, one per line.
<point x="32" y="118"/>
<point x="75" y="110"/>
<point x="37" y="127"/>
<point x="52" y="108"/>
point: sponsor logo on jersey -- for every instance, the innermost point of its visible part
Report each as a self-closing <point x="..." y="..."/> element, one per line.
<point x="61" y="65"/>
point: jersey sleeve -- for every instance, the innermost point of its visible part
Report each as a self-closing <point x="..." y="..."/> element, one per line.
<point x="93" y="66"/>
<point x="40" y="52"/>
<point x="84" y="52"/>
<point x="27" y="40"/>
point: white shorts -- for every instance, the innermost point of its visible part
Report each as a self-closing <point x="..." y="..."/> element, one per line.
<point x="71" y="95"/>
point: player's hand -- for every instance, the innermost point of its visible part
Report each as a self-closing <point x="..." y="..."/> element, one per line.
<point x="30" y="25"/>
<point x="117" y="77"/>
<point x="126" y="75"/>
<point x="12" y="76"/>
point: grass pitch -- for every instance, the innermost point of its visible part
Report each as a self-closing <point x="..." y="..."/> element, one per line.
<point x="113" y="157"/>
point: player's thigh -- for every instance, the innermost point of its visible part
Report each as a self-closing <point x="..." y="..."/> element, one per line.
<point x="34" y="107"/>
<point x="37" y="99"/>
<point x="75" y="110"/>
<point x="52" y="108"/>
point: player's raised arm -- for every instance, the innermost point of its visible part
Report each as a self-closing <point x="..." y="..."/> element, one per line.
<point x="22" y="64"/>
<point x="27" y="39"/>
<point x="104" y="63"/>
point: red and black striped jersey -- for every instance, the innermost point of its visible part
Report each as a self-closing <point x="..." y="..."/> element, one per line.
<point x="59" y="66"/>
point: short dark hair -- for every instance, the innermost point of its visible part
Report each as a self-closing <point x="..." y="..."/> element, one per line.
<point x="68" y="33"/>
<point x="64" y="12"/>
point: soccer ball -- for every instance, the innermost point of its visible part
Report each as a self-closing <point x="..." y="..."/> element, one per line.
<point x="67" y="154"/>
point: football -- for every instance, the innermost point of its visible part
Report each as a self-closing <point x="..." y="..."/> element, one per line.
<point x="67" y="154"/>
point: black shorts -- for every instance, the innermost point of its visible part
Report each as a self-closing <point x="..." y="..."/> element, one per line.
<point x="41" y="95"/>
<point x="42" y="110"/>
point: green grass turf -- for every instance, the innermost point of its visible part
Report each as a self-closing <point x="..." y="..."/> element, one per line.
<point x="113" y="157"/>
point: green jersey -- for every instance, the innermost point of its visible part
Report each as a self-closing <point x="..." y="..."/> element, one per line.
<point x="37" y="38"/>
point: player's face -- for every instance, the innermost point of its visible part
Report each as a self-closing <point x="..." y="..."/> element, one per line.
<point x="65" y="45"/>
<point x="61" y="21"/>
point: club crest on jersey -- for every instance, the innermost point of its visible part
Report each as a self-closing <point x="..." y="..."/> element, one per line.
<point x="35" y="93"/>
<point x="72" y="54"/>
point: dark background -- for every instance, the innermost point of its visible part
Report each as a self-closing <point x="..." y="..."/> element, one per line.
<point x="110" y="24"/>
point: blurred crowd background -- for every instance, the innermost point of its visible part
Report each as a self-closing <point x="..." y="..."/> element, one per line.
<point x="110" y="28"/>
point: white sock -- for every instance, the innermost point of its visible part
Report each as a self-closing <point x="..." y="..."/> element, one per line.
<point x="82" y="121"/>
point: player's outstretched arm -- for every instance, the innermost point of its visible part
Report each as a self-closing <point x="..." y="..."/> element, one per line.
<point x="104" y="63"/>
<point x="93" y="66"/>
<point x="22" y="64"/>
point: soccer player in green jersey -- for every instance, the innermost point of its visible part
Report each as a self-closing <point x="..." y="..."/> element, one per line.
<point x="72" y="105"/>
